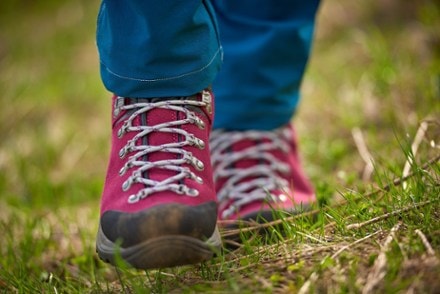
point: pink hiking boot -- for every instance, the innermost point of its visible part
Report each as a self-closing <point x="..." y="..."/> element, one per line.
<point x="158" y="207"/>
<point x="257" y="172"/>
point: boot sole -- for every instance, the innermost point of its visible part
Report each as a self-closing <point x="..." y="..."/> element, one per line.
<point x="161" y="252"/>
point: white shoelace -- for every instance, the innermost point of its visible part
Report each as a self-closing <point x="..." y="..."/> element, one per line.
<point x="264" y="177"/>
<point x="141" y="166"/>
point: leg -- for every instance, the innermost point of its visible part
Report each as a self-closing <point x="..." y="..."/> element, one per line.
<point x="266" y="47"/>
<point x="159" y="199"/>
<point x="254" y="148"/>
<point x="157" y="48"/>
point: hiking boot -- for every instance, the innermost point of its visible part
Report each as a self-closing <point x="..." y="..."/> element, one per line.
<point x="258" y="173"/>
<point x="158" y="207"/>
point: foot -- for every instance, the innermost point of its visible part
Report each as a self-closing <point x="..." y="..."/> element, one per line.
<point x="158" y="207"/>
<point x="257" y="173"/>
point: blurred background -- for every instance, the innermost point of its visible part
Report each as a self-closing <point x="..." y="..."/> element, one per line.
<point x="374" y="72"/>
<point x="54" y="121"/>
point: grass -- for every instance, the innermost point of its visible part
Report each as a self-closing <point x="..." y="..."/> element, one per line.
<point x="372" y="82"/>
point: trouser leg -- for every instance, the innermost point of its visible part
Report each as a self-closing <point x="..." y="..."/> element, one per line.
<point x="155" y="48"/>
<point x="266" y="47"/>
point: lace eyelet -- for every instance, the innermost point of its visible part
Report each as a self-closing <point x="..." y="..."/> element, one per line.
<point x="122" y="152"/>
<point x="192" y="192"/>
<point x="200" y="124"/>
<point x="126" y="185"/>
<point x="199" y="165"/>
<point x="120" y="133"/>
<point x="133" y="198"/>
<point x="123" y="170"/>
<point x="201" y="144"/>
<point x="116" y="112"/>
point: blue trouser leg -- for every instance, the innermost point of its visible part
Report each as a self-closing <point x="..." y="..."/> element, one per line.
<point x="266" y="47"/>
<point x="157" y="48"/>
<point x="153" y="48"/>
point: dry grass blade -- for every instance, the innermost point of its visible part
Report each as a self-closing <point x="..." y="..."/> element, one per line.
<point x="414" y="147"/>
<point x="379" y="268"/>
<point x="312" y="279"/>
<point x="310" y="237"/>
<point x="399" y="181"/>
<point x="364" y="153"/>
<point x="425" y="242"/>
<point x="387" y="215"/>
<point x="354" y="243"/>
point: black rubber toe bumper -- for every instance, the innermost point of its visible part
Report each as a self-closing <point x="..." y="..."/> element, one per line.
<point x="162" y="236"/>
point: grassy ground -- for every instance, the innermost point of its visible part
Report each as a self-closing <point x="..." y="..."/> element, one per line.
<point x="371" y="107"/>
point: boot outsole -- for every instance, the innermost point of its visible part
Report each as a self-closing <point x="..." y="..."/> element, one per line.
<point x="161" y="252"/>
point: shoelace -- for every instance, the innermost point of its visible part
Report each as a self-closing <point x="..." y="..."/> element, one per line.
<point x="264" y="176"/>
<point x="141" y="166"/>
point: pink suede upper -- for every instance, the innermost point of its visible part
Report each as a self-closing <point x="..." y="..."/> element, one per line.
<point x="114" y="198"/>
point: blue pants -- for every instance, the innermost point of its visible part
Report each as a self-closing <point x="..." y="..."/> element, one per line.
<point x="155" y="48"/>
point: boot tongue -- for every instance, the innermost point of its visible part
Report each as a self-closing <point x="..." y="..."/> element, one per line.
<point x="154" y="117"/>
